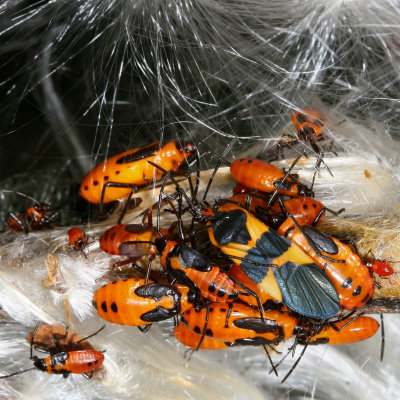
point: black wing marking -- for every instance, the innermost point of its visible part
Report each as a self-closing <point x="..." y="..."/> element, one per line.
<point x="270" y="246"/>
<point x="307" y="290"/>
<point x="139" y="154"/>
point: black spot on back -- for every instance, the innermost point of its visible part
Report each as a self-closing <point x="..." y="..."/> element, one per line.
<point x="357" y="291"/>
<point x="347" y="283"/>
<point x="212" y="287"/>
<point x="104" y="306"/>
<point x="114" y="307"/>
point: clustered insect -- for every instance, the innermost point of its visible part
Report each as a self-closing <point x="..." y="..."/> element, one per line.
<point x="264" y="275"/>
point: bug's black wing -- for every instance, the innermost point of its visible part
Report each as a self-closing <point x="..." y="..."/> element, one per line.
<point x="305" y="287"/>
<point x="307" y="290"/>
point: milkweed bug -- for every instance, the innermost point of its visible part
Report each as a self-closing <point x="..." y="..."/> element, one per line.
<point x="344" y="268"/>
<point x="133" y="241"/>
<point x="239" y="323"/>
<point x="34" y="218"/>
<point x="120" y="176"/>
<point x="65" y="360"/>
<point x="275" y="264"/>
<point x="133" y="302"/>
<point x="191" y="339"/>
<point x="309" y="123"/>
<point x="350" y="330"/>
<point x="379" y="267"/>
<point x="269" y="259"/>
<point x="260" y="175"/>
<point x="77" y="239"/>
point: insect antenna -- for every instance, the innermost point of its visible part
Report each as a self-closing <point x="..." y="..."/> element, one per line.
<point x="17" y="373"/>
<point x="88" y="337"/>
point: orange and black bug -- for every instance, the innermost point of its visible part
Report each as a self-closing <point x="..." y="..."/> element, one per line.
<point x="191" y="339"/>
<point x="133" y="302"/>
<point x="344" y="267"/>
<point x="133" y="241"/>
<point x="309" y="124"/>
<point x="303" y="210"/>
<point x="262" y="176"/>
<point x="77" y="239"/>
<point x="350" y="330"/>
<point x="65" y="360"/>
<point x="273" y="262"/>
<point x="240" y="324"/>
<point x="34" y="218"/>
<point x="120" y="176"/>
<point x="191" y="268"/>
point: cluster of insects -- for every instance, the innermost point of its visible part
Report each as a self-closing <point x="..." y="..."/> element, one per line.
<point x="264" y="274"/>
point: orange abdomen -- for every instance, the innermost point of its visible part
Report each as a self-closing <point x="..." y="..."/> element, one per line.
<point x="191" y="339"/>
<point x="214" y="285"/>
<point x="119" y="240"/>
<point x="361" y="328"/>
<point x="130" y="302"/>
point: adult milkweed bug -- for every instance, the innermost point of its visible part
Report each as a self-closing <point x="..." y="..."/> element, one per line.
<point x="133" y="302"/>
<point x="120" y="176"/>
<point x="273" y="262"/>
<point x="64" y="359"/>
<point x="344" y="268"/>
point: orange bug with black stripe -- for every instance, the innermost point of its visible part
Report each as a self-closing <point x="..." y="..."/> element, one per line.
<point x="310" y="125"/>
<point x="351" y="278"/>
<point x="241" y="324"/>
<point x="33" y="218"/>
<point x="121" y="175"/>
<point x="139" y="303"/>
<point x="65" y="360"/>
<point x="270" y="260"/>
<point x="238" y="324"/>
<point x="255" y="174"/>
